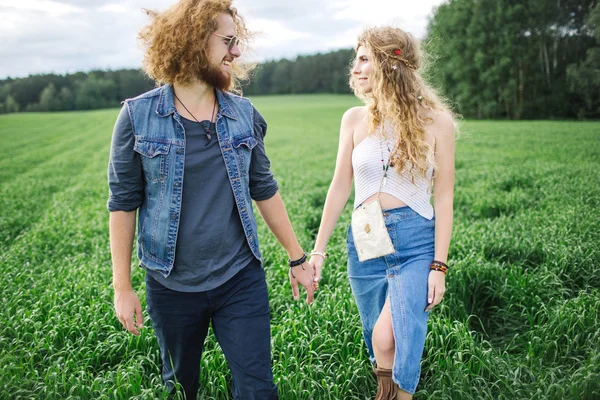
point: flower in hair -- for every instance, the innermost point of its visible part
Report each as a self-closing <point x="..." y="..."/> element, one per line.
<point x="397" y="52"/>
<point x="394" y="67"/>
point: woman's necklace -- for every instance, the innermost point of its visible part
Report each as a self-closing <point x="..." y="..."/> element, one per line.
<point x="206" y="126"/>
<point x="385" y="165"/>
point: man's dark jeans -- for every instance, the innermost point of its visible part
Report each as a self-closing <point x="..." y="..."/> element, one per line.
<point x="239" y="313"/>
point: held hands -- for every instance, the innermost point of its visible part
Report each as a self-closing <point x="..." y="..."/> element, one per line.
<point x="436" y="288"/>
<point x="303" y="274"/>
<point x="127" y="304"/>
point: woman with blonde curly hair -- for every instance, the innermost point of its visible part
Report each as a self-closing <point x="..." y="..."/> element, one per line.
<point x="399" y="148"/>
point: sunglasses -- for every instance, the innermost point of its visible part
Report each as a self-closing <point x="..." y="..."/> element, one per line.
<point x="233" y="40"/>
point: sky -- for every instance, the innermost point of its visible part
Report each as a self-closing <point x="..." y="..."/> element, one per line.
<point x="66" y="36"/>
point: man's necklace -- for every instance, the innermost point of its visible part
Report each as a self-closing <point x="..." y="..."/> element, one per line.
<point x="205" y="124"/>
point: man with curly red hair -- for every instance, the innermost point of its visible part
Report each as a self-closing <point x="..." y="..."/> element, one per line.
<point x="189" y="158"/>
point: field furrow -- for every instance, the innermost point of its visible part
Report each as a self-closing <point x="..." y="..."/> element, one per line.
<point x="25" y="198"/>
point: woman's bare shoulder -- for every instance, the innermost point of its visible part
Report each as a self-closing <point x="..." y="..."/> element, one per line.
<point x="355" y="114"/>
<point x="440" y="122"/>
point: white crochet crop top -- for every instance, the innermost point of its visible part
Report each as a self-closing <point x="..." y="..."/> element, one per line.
<point x="368" y="171"/>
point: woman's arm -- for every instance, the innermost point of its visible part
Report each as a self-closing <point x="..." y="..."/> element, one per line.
<point x="443" y="197"/>
<point x="340" y="187"/>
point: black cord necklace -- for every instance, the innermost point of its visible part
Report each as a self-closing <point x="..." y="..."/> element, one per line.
<point x="205" y="125"/>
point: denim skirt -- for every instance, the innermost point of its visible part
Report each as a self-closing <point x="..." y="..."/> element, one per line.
<point x="402" y="276"/>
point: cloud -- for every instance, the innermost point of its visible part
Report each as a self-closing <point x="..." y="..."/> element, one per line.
<point x="43" y="36"/>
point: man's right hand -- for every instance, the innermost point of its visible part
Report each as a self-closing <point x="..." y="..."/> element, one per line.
<point x="127" y="304"/>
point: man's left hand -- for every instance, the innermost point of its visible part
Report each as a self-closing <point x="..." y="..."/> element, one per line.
<point x="304" y="275"/>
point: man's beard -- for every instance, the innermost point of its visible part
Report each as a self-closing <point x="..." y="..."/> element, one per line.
<point x="213" y="76"/>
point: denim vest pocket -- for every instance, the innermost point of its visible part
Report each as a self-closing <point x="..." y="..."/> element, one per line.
<point x="243" y="146"/>
<point x="154" y="158"/>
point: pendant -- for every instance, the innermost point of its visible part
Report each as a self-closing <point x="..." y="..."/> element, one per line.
<point x="206" y="126"/>
<point x="367" y="228"/>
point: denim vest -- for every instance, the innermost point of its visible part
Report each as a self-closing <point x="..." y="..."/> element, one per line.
<point x="160" y="140"/>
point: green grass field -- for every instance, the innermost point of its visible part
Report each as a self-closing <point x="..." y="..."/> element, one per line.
<point x="521" y="318"/>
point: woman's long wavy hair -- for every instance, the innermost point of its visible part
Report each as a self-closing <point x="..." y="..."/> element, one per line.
<point x="176" y="41"/>
<point x="400" y="97"/>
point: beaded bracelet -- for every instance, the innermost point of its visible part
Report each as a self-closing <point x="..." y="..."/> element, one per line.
<point x="441" y="269"/>
<point x="439" y="266"/>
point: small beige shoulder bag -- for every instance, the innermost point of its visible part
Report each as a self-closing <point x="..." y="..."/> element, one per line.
<point x="371" y="237"/>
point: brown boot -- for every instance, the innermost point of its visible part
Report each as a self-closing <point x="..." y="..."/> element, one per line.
<point x="386" y="388"/>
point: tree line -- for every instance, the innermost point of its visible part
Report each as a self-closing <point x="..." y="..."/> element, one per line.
<point x="491" y="58"/>
<point x="320" y="73"/>
<point x="79" y="91"/>
<point x="518" y="59"/>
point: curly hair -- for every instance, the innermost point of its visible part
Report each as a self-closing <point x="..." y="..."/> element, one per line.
<point x="400" y="97"/>
<point x="176" y="41"/>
